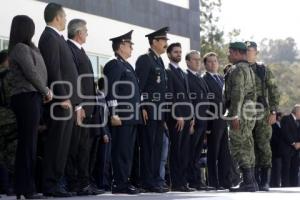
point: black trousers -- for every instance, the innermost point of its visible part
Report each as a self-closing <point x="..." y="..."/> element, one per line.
<point x="101" y="168"/>
<point x="123" y="140"/>
<point x="290" y="169"/>
<point x="197" y="141"/>
<point x="179" y="154"/>
<point x="151" y="147"/>
<point x="77" y="168"/>
<point x="276" y="172"/>
<point x="27" y="108"/>
<point x="57" y="143"/>
<point x="219" y="161"/>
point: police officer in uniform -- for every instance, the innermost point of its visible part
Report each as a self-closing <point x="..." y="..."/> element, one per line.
<point x="123" y="99"/>
<point x="152" y="77"/>
<point x="268" y="97"/>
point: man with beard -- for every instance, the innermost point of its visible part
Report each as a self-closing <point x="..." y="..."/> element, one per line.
<point x="181" y="122"/>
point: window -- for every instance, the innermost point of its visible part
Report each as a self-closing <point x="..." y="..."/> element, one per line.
<point x="3" y="43"/>
<point x="98" y="62"/>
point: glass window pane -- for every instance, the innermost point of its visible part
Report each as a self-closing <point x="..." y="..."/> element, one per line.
<point x="5" y="44"/>
<point x="94" y="61"/>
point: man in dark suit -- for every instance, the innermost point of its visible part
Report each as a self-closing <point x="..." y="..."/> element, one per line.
<point x="61" y="67"/>
<point x="290" y="132"/>
<point x="218" y="157"/>
<point x="276" y="141"/>
<point x="199" y="93"/>
<point x="77" y="169"/>
<point x="123" y="99"/>
<point x="180" y="121"/>
<point x="152" y="77"/>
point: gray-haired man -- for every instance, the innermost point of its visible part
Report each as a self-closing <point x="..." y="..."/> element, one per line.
<point x="77" y="169"/>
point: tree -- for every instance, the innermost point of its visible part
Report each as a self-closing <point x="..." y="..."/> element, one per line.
<point x="211" y="37"/>
<point x="278" y="50"/>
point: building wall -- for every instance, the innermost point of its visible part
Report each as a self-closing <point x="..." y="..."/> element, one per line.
<point x="152" y="14"/>
<point x="100" y="29"/>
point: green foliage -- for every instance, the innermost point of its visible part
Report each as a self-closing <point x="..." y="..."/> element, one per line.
<point x="279" y="54"/>
<point x="211" y="37"/>
<point x="278" y="50"/>
<point x="287" y="76"/>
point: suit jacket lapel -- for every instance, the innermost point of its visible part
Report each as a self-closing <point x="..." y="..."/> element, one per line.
<point x="199" y="81"/>
<point x="213" y="81"/>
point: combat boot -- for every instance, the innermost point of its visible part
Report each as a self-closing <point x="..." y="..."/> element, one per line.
<point x="265" y="179"/>
<point x="248" y="184"/>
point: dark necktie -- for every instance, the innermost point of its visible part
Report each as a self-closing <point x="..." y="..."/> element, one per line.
<point x="217" y="78"/>
<point x="180" y="72"/>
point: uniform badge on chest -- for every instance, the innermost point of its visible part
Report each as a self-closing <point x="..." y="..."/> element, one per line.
<point x="158" y="79"/>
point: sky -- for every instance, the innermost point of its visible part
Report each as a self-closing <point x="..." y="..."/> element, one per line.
<point x="258" y="19"/>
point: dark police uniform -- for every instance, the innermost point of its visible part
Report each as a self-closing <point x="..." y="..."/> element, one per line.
<point x="152" y="77"/>
<point x="123" y="101"/>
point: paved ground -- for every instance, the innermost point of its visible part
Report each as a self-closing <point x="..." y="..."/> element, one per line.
<point x="274" y="194"/>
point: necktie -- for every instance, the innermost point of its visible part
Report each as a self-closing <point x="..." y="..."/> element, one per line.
<point x="217" y="78"/>
<point x="180" y="72"/>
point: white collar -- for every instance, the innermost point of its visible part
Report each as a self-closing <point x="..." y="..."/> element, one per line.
<point x="278" y="124"/>
<point x="193" y="72"/>
<point x="212" y="74"/>
<point x="294" y="116"/>
<point x="56" y="30"/>
<point x="174" y="64"/>
<point x="76" y="44"/>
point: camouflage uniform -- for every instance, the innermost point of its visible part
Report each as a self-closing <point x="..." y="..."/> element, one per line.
<point x="8" y="129"/>
<point x="240" y="97"/>
<point x="262" y="132"/>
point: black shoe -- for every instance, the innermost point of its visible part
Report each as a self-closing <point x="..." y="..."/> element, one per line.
<point x="31" y="196"/>
<point x="183" y="189"/>
<point x="265" y="176"/>
<point x="10" y="192"/>
<point x="127" y="190"/>
<point x="157" y="189"/>
<point x="95" y="190"/>
<point x="220" y="188"/>
<point x="248" y="184"/>
<point x="58" y="192"/>
<point x="85" y="191"/>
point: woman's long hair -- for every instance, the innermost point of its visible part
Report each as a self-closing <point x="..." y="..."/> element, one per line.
<point x="21" y="31"/>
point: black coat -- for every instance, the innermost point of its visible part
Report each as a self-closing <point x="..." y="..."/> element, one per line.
<point x="87" y="84"/>
<point x="152" y="76"/>
<point x="289" y="133"/>
<point x="178" y="86"/>
<point x="199" y="95"/>
<point x="217" y="99"/>
<point x="60" y="65"/>
<point x="127" y="95"/>
<point x="276" y="140"/>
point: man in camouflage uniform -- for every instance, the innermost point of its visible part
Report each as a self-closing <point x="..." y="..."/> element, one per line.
<point x="268" y="100"/>
<point x="240" y="100"/>
<point x="8" y="130"/>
